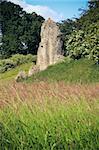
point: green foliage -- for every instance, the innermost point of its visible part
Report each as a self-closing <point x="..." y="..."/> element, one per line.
<point x="71" y="71"/>
<point x="89" y="16"/>
<point x="66" y="28"/>
<point x="82" y="38"/>
<point x="21" y="59"/>
<point x="14" y="61"/>
<point x="84" y="43"/>
<point x="12" y="73"/>
<point x="52" y="126"/>
<point x="74" y="46"/>
<point x="6" y="65"/>
<point x="21" y="31"/>
<point x="80" y="71"/>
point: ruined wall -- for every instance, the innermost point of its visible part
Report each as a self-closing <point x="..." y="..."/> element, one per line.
<point x="50" y="48"/>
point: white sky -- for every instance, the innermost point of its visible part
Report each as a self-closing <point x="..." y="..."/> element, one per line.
<point x="44" y="11"/>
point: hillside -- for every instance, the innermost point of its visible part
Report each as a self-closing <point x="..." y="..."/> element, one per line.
<point x="11" y="74"/>
<point x="80" y="71"/>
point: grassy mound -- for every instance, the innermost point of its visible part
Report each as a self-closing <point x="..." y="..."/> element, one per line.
<point x="80" y="71"/>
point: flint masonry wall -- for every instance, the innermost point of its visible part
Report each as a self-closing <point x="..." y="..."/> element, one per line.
<point x="50" y="48"/>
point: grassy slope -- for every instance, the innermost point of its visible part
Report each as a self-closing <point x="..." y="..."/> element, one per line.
<point x="11" y="74"/>
<point x="81" y="71"/>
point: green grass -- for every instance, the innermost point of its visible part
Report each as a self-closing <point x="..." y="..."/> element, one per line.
<point x="40" y="116"/>
<point x="51" y="126"/>
<point x="11" y="74"/>
<point x="80" y="71"/>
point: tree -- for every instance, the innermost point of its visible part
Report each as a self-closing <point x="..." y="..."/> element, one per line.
<point x="84" y="39"/>
<point x="66" y="28"/>
<point x="91" y="15"/>
<point x="20" y="30"/>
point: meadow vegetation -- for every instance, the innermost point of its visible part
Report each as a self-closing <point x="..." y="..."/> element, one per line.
<point x="49" y="116"/>
<point x="57" y="109"/>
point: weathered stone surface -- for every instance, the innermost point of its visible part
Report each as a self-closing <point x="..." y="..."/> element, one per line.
<point x="33" y="70"/>
<point x="21" y="75"/>
<point x="50" y="48"/>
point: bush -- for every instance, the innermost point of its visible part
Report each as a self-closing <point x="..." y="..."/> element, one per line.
<point x="15" y="61"/>
<point x="84" y="43"/>
<point x="21" y="59"/>
<point x="6" y="65"/>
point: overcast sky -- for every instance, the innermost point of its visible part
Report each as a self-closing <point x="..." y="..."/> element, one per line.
<point x="56" y="9"/>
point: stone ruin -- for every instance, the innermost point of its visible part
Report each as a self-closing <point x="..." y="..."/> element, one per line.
<point x="21" y="76"/>
<point x="33" y="70"/>
<point x="50" y="48"/>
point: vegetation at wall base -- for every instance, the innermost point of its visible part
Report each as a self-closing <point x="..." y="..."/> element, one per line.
<point x="70" y="71"/>
<point x="81" y="71"/>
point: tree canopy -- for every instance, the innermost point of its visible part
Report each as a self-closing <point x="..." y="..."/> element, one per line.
<point x="20" y="30"/>
<point x="81" y="36"/>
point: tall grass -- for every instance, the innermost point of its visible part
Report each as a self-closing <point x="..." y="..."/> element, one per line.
<point x="49" y="117"/>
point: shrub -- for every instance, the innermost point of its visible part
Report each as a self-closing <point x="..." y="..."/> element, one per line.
<point x="84" y="43"/>
<point x="15" y="61"/>
<point x="21" y="59"/>
<point x="6" y="64"/>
